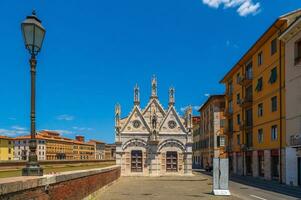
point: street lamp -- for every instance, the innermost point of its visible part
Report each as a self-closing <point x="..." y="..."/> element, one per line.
<point x="33" y="34"/>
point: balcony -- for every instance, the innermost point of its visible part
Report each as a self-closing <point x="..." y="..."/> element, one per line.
<point x="295" y="140"/>
<point x="228" y="113"/>
<point x="247" y="101"/>
<point x="245" y="80"/>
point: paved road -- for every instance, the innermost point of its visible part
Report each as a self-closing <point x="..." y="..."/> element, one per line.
<point x="190" y="188"/>
<point x="163" y="188"/>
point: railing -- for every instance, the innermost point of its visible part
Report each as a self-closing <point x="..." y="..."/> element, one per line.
<point x="295" y="140"/>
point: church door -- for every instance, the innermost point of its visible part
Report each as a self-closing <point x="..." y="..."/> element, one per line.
<point x="171" y="161"/>
<point x="136" y="161"/>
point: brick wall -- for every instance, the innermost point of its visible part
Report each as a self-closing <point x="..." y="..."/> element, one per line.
<point x="65" y="186"/>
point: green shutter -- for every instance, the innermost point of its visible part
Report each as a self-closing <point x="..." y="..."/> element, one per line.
<point x="273" y="76"/>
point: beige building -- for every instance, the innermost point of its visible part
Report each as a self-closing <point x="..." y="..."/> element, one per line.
<point x="211" y="128"/>
<point x="292" y="39"/>
<point x="110" y="152"/>
<point x="196" y="153"/>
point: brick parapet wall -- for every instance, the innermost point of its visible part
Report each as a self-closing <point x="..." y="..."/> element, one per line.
<point x="73" y="185"/>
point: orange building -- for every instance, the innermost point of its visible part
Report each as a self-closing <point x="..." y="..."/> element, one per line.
<point x="255" y="106"/>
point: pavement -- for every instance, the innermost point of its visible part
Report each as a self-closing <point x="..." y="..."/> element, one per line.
<point x="194" y="187"/>
<point x="165" y="188"/>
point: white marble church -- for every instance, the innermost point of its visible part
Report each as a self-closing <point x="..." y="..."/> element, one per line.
<point x="154" y="141"/>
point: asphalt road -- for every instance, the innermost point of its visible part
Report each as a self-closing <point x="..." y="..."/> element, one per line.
<point x="250" y="188"/>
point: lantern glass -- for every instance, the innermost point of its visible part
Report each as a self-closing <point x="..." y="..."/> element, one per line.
<point x="33" y="34"/>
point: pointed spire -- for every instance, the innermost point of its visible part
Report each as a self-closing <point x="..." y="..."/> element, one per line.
<point x="171" y="95"/>
<point x="117" y="115"/>
<point x="188" y="118"/>
<point x="154" y="87"/>
<point x="136" y="95"/>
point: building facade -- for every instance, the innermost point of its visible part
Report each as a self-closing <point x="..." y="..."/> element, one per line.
<point x="52" y="146"/>
<point x="212" y="122"/>
<point x="196" y="153"/>
<point x="255" y="106"/>
<point x="110" y="152"/>
<point x="292" y="39"/>
<point x="154" y="141"/>
<point x="83" y="150"/>
<point x="6" y="148"/>
<point x="21" y="147"/>
<point x="99" y="149"/>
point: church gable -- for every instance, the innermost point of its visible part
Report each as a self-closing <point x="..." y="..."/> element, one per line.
<point x="135" y="123"/>
<point x="154" y="107"/>
<point x="172" y="123"/>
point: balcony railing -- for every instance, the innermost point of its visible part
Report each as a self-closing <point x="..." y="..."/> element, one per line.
<point x="295" y="140"/>
<point x="245" y="79"/>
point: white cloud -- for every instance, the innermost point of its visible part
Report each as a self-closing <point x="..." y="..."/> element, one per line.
<point x="245" y="7"/>
<point x="81" y="128"/>
<point x="65" y="117"/>
<point x="14" y="131"/>
<point x="63" y="132"/>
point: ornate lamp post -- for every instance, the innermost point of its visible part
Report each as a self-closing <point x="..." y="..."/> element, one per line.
<point x="33" y="34"/>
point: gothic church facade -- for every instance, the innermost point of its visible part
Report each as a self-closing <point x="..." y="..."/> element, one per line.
<point x="154" y="141"/>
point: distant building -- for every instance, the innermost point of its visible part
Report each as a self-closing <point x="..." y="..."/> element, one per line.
<point x="6" y="148"/>
<point x="100" y="147"/>
<point x="110" y="152"/>
<point x="196" y="153"/>
<point x="21" y="147"/>
<point x="292" y="39"/>
<point x="52" y="146"/>
<point x="212" y="121"/>
<point x="83" y="150"/>
<point x="154" y="141"/>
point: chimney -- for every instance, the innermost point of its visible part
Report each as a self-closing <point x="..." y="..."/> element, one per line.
<point x="80" y="138"/>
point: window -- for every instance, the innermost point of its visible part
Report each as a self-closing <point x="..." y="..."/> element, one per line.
<point x="249" y="117"/>
<point x="238" y="118"/>
<point x="274" y="103"/>
<point x="274" y="132"/>
<point x="230" y="88"/>
<point x="273" y="76"/>
<point x="273" y="46"/>
<point x="238" y="98"/>
<point x="260" y="110"/>
<point x="249" y="71"/>
<point x="260" y="136"/>
<point x="230" y="107"/>
<point x="238" y="78"/>
<point x="298" y="52"/>
<point x="259" y="85"/>
<point x="238" y="138"/>
<point x="260" y="58"/>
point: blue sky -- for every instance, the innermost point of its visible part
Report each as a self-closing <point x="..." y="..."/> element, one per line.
<point x="95" y="51"/>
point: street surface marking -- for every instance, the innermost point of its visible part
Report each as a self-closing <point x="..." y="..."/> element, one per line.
<point x="257" y="197"/>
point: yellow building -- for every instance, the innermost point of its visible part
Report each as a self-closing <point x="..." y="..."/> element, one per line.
<point x="57" y="147"/>
<point x="6" y="148"/>
<point x="83" y="150"/>
<point x="255" y="106"/>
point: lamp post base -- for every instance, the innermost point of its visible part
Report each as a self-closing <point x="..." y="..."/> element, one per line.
<point x="32" y="171"/>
